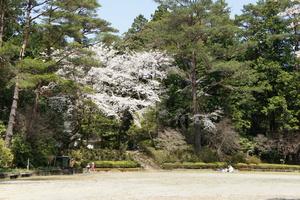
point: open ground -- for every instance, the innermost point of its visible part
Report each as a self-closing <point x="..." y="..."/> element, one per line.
<point x="156" y="185"/>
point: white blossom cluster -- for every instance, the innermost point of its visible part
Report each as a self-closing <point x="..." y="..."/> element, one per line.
<point x="207" y="120"/>
<point x="130" y="80"/>
<point x="292" y="13"/>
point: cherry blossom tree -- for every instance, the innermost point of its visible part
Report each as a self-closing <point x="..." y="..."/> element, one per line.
<point x="130" y="80"/>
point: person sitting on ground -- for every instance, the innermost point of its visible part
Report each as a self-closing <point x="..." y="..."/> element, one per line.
<point x="230" y="169"/>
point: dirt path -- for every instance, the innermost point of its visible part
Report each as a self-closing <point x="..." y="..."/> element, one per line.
<point x="166" y="185"/>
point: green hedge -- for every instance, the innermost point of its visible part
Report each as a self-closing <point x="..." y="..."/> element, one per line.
<point x="116" y="164"/>
<point x="196" y="165"/>
<point x="267" y="167"/>
<point x="10" y="170"/>
<point x="239" y="166"/>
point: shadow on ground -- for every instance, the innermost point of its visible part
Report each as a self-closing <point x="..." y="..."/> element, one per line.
<point x="282" y="199"/>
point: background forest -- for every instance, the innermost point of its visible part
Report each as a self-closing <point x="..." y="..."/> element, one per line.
<point x="190" y="84"/>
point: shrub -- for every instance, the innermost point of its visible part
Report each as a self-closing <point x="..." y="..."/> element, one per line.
<point x="21" y="150"/>
<point x="116" y="164"/>
<point x="163" y="156"/>
<point x="37" y="151"/>
<point x="253" y="160"/>
<point x="41" y="150"/>
<point x="239" y="157"/>
<point x="247" y="145"/>
<point x="6" y="157"/>
<point x="208" y="156"/>
<point x="78" y="157"/>
<point x="186" y="156"/>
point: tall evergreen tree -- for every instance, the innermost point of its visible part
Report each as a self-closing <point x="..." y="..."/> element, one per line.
<point x="270" y="45"/>
<point x="132" y="38"/>
<point x="53" y="25"/>
<point x="191" y="31"/>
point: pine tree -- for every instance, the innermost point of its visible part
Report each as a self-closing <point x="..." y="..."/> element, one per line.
<point x="132" y="39"/>
<point x="52" y="25"/>
<point x="191" y="30"/>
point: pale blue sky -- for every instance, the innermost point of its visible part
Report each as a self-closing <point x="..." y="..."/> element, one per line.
<point x="122" y="12"/>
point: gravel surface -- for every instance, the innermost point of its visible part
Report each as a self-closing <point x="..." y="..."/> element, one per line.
<point x="156" y="185"/>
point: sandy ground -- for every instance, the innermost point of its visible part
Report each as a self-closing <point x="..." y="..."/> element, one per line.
<point x="166" y="185"/>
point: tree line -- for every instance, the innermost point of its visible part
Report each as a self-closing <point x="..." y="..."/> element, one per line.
<point x="237" y="74"/>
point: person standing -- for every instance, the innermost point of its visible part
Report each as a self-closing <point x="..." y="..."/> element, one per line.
<point x="93" y="167"/>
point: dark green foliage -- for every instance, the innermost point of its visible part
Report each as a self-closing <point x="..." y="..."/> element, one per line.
<point x="239" y="157"/>
<point x="95" y="127"/>
<point x="6" y="157"/>
<point x="269" y="46"/>
<point x="38" y="152"/>
<point x="132" y="38"/>
<point x="147" y="131"/>
<point x="22" y="151"/>
<point x="207" y="155"/>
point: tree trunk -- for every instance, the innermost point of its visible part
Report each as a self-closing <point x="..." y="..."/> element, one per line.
<point x="196" y="123"/>
<point x="197" y="134"/>
<point x="297" y="44"/>
<point x="194" y="85"/>
<point x="34" y="112"/>
<point x="2" y="14"/>
<point x="13" y="110"/>
<point x="12" y="116"/>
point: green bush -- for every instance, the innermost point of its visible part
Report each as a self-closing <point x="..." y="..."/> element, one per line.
<point x="21" y="150"/>
<point x="116" y="164"/>
<point x="208" y="156"/>
<point x="147" y="131"/>
<point x="239" y="157"/>
<point x="163" y="156"/>
<point x="159" y="156"/>
<point x="253" y="160"/>
<point x="186" y="156"/>
<point x="6" y="157"/>
<point x="37" y="151"/>
<point x="78" y="157"/>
